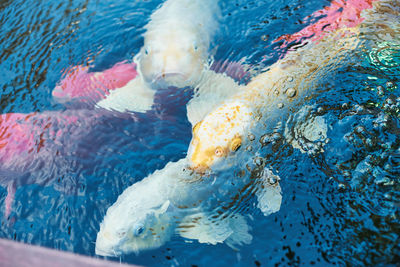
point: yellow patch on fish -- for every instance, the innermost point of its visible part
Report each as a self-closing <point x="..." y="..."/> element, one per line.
<point x="218" y="135"/>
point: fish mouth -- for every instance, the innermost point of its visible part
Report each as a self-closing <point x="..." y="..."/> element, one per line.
<point x="170" y="79"/>
<point x="200" y="163"/>
<point x="105" y="252"/>
<point x="201" y="170"/>
<point x="106" y="247"/>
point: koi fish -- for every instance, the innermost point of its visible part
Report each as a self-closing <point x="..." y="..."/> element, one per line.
<point x="90" y="87"/>
<point x="174" y="54"/>
<point x="203" y="196"/>
<point x="29" y="141"/>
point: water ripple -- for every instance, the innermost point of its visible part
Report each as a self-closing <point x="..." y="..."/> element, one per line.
<point x="341" y="190"/>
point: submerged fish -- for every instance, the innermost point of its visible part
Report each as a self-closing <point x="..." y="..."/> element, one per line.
<point x="205" y="195"/>
<point x="340" y="14"/>
<point x="176" y="200"/>
<point x="30" y="143"/>
<point x="174" y="54"/>
<point x="177" y="41"/>
<point x="80" y="85"/>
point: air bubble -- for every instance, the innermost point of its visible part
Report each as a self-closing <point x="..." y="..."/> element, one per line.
<point x="249" y="148"/>
<point x="388" y="196"/>
<point x="389" y="101"/>
<point x="276" y="136"/>
<point x="264" y="37"/>
<point x="251" y="137"/>
<point x="276" y="92"/>
<point x="291" y="92"/>
<point x="280" y="105"/>
<point x="346" y="173"/>
<point x="273" y="179"/>
<point x="264" y="140"/>
<point x="387" y="167"/>
<point x="302" y="141"/>
<point x="385" y="181"/>
<point x="359" y="129"/>
<point x="310" y="146"/>
<point x="394" y="160"/>
<point x="369" y="142"/>
<point x="389" y="85"/>
<point x="358" y="109"/>
<point x="258" y="161"/>
<point x="380" y="90"/>
<point x="341" y="186"/>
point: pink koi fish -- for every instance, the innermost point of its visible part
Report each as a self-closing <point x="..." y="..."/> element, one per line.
<point x="90" y="87"/>
<point x="340" y="14"/>
<point x="30" y="141"/>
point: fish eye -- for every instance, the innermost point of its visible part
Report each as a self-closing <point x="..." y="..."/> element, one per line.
<point x="235" y="144"/>
<point x="138" y="230"/>
<point x="219" y="152"/>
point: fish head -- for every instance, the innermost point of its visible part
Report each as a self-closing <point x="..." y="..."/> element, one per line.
<point x="171" y="59"/>
<point x="218" y="137"/>
<point x="125" y="230"/>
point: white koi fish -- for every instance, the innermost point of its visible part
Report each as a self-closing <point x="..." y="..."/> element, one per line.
<point x="175" y="200"/>
<point x="174" y="54"/>
<point x="199" y="197"/>
<point x="205" y="196"/>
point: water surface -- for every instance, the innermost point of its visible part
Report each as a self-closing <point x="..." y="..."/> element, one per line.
<point x="339" y="207"/>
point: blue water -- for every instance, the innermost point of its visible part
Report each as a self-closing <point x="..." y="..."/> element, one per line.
<point x="340" y="207"/>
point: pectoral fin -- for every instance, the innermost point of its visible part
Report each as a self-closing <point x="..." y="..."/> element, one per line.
<point x="213" y="229"/>
<point x="135" y="96"/>
<point x="269" y="193"/>
<point x="240" y="233"/>
<point x="212" y="90"/>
